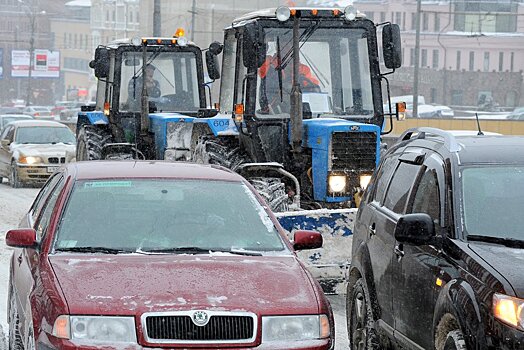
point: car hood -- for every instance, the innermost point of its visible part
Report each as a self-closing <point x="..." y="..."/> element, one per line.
<point x="32" y="150"/>
<point x="133" y="284"/>
<point x="506" y="261"/>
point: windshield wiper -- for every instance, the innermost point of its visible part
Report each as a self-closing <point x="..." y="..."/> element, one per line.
<point x="103" y="250"/>
<point x="198" y="250"/>
<point x="508" y="242"/>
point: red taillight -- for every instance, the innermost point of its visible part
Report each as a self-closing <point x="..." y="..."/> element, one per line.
<point x="37" y="114"/>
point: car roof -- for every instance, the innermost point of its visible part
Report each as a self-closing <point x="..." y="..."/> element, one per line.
<point x="92" y="170"/>
<point x="24" y="116"/>
<point x="25" y="123"/>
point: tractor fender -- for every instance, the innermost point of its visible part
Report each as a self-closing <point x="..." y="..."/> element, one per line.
<point x="457" y="299"/>
<point x="91" y="118"/>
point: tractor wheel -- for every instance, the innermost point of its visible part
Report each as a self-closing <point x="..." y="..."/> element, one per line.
<point x="455" y="340"/>
<point x="219" y="151"/>
<point x="273" y="190"/>
<point x="90" y="141"/>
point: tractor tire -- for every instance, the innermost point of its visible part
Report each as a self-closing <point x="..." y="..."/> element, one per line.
<point x="455" y="340"/>
<point x="273" y="190"/>
<point x="90" y="141"/>
<point x="219" y="151"/>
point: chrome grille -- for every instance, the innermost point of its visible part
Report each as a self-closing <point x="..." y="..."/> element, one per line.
<point x="351" y="151"/>
<point x="179" y="327"/>
<point x="54" y="160"/>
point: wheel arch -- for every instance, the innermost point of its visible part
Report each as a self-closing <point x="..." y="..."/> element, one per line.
<point x="457" y="306"/>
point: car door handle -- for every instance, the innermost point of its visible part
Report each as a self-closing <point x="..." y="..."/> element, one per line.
<point x="372" y="231"/>
<point x="399" y="251"/>
<point x="19" y="260"/>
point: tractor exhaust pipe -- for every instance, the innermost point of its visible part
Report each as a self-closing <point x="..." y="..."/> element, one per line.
<point x="296" y="94"/>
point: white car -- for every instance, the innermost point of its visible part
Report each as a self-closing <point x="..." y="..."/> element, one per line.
<point x="39" y="112"/>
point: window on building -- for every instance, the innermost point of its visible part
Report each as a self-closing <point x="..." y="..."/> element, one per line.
<point x="414" y="21"/>
<point x="486" y="61"/>
<point x="424" y="58"/>
<point x="501" y="61"/>
<point x="471" y="61"/>
<point x="107" y="16"/>
<point x="511" y="61"/>
<point x="458" y="60"/>
<point x="437" y="23"/>
<point x="130" y="16"/>
<point x="411" y="57"/>
<point x="398" y="18"/>
<point x="435" y="59"/>
<point x="403" y="21"/>
<point x="456" y="97"/>
<point x="433" y="96"/>
<point x="425" y="22"/>
<point x="75" y="41"/>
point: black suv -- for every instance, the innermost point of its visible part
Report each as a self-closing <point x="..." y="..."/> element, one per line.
<point x="438" y="245"/>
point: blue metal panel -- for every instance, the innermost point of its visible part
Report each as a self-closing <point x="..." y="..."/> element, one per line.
<point x="159" y="127"/>
<point x="95" y="117"/>
<point x="220" y="125"/>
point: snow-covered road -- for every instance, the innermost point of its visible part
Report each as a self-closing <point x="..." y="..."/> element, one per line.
<point x="13" y="205"/>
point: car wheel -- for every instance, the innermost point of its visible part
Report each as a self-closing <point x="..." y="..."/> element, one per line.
<point x="361" y="332"/>
<point x="455" y="341"/>
<point x="14" y="180"/>
<point x="15" y="338"/>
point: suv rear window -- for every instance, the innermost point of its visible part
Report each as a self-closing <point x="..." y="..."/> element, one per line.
<point x="400" y="186"/>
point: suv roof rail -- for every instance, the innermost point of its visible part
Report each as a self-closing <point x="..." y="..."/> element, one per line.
<point x="449" y="139"/>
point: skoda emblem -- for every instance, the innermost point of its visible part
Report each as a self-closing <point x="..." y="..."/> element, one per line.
<point x="200" y="318"/>
<point x="355" y="128"/>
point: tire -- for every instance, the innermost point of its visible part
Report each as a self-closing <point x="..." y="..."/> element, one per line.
<point x="455" y="340"/>
<point x="90" y="141"/>
<point x="274" y="192"/>
<point x="15" y="338"/>
<point x="361" y="331"/>
<point x="14" y="179"/>
<point x="221" y="151"/>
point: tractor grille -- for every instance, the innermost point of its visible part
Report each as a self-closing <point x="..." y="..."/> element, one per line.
<point x="220" y="328"/>
<point x="55" y="160"/>
<point x="353" y="151"/>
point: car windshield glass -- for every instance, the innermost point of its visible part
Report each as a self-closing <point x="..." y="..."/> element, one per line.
<point x="492" y="201"/>
<point x="43" y="134"/>
<point x="334" y="72"/>
<point x="162" y="215"/>
<point x="171" y="81"/>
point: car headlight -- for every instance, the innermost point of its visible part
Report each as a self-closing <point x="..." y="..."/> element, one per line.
<point x="364" y="181"/>
<point x="92" y="329"/>
<point x="509" y="310"/>
<point x="294" y="328"/>
<point x="29" y="160"/>
<point x="337" y="183"/>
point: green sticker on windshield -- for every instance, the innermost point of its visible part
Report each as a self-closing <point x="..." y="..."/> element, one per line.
<point x="108" y="184"/>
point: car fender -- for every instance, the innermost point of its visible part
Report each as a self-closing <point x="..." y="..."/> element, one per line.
<point x="361" y="268"/>
<point x="458" y="298"/>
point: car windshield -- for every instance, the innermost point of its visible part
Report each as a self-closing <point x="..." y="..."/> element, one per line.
<point x="334" y="72"/>
<point x="165" y="216"/>
<point x="43" y="134"/>
<point x="492" y="201"/>
<point x="171" y="81"/>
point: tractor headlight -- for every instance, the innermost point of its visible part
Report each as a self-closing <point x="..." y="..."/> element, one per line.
<point x="364" y="181"/>
<point x="96" y="329"/>
<point x="283" y="13"/>
<point x="337" y="183"/>
<point x="29" y="160"/>
<point x="294" y="328"/>
<point x="509" y="310"/>
<point x="182" y="41"/>
<point x="350" y="12"/>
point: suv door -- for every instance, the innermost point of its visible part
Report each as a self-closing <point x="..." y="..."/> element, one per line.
<point x="384" y="221"/>
<point x="377" y="241"/>
<point x="416" y="269"/>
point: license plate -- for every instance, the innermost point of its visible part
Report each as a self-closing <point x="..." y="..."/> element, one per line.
<point x="52" y="169"/>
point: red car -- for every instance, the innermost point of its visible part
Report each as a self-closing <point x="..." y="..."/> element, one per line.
<point x="160" y="255"/>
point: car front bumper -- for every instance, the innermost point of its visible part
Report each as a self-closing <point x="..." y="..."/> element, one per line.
<point x="35" y="173"/>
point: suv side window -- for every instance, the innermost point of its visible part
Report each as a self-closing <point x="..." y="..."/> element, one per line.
<point x="382" y="177"/>
<point x="399" y="188"/>
<point x="43" y="221"/>
<point x="427" y="195"/>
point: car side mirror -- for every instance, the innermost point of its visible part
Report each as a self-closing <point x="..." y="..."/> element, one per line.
<point x="415" y="229"/>
<point x="391" y="46"/>
<point x="21" y="238"/>
<point x="6" y="143"/>
<point x="305" y="239"/>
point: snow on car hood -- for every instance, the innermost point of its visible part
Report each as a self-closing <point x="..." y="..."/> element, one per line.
<point x="507" y="261"/>
<point x="133" y="284"/>
<point x="45" y="150"/>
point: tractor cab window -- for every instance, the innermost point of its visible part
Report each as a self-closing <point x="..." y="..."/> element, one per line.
<point x="169" y="79"/>
<point x="334" y="73"/>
